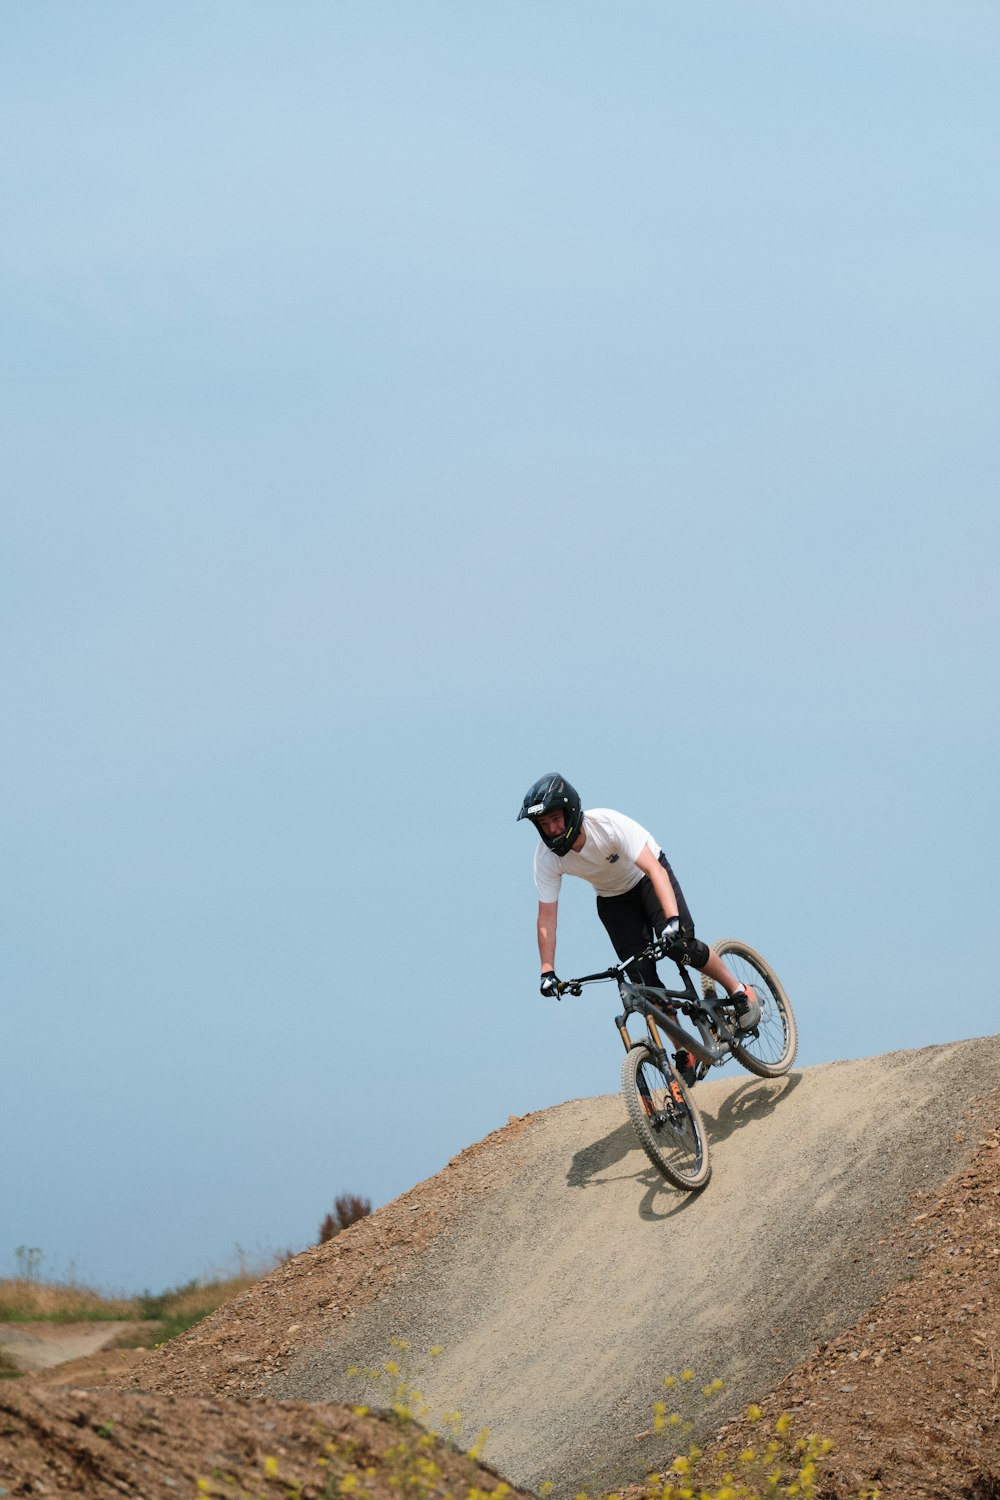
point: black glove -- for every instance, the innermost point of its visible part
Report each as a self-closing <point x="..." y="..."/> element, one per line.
<point x="550" y="984"/>
<point x="667" y="936"/>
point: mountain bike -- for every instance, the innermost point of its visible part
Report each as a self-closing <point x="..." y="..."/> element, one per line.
<point x="659" y="1103"/>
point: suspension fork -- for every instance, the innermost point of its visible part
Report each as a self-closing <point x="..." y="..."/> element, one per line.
<point x="675" y="1096"/>
<point x="622" y="1021"/>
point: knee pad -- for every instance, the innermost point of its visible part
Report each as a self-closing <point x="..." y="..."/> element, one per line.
<point x="690" y="950"/>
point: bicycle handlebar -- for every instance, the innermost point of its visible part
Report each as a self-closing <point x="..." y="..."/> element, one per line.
<point x="655" y="950"/>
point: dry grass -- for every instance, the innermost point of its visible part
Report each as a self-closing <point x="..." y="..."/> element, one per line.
<point x="155" y="1319"/>
<point x="198" y="1298"/>
<point x="24" y="1301"/>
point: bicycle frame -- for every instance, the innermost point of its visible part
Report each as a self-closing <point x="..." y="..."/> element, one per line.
<point x="715" y="1033"/>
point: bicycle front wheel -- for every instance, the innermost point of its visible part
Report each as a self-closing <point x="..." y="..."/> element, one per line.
<point x="770" y="1051"/>
<point x="666" y="1120"/>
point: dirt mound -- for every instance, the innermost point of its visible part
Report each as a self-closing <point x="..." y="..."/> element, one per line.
<point x="564" y="1279"/>
<point x="910" y="1394"/>
<point x="237" y="1349"/>
<point x="105" y="1444"/>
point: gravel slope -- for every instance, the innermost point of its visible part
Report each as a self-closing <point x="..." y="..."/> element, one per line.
<point x="564" y="1292"/>
<point x="563" y="1279"/>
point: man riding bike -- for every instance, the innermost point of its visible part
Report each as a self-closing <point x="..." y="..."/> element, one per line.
<point x="638" y="895"/>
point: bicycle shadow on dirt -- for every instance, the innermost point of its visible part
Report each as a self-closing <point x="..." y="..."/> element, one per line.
<point x="593" y="1165"/>
<point x="753" y="1100"/>
<point x="612" y="1159"/>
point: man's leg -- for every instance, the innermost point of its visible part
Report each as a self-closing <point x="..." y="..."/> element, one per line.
<point x="655" y="921"/>
<point x="716" y="969"/>
<point x="629" y="929"/>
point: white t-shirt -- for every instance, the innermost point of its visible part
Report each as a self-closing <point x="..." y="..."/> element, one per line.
<point x="607" y="859"/>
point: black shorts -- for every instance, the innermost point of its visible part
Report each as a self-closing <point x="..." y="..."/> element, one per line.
<point x="633" y="920"/>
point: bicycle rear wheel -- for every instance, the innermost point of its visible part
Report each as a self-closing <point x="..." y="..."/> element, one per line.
<point x="771" y="1051"/>
<point x="666" y="1120"/>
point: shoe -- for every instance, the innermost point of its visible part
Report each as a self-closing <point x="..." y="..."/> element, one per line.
<point x="746" y="1008"/>
<point x="684" y="1063"/>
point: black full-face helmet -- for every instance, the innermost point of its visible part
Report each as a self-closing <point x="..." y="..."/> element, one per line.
<point x="552" y="793"/>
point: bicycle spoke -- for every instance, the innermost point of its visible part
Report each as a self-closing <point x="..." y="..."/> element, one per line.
<point x="666" y="1120"/>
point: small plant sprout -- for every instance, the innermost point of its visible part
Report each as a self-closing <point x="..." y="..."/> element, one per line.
<point x="777" y="1467"/>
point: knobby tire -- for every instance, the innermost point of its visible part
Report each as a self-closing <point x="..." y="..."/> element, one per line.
<point x="772" y="1051"/>
<point x="678" y="1146"/>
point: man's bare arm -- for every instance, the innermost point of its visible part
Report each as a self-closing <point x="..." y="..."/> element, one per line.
<point x="547" y="913"/>
<point x="650" y="865"/>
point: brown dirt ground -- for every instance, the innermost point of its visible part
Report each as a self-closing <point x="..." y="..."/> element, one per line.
<point x="106" y="1444"/>
<point x="73" y="1429"/>
<point x="909" y="1396"/>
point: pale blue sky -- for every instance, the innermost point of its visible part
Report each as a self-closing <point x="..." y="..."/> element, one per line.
<point x="403" y="400"/>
